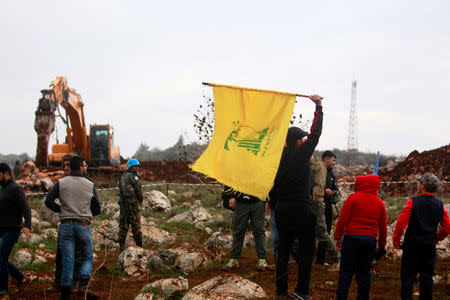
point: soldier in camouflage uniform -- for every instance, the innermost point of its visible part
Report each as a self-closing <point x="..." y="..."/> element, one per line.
<point x="130" y="198"/>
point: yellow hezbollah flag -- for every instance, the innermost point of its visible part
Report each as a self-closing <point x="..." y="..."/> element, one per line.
<point x="249" y="135"/>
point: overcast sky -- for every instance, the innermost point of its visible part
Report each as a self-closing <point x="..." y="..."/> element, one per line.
<point x="139" y="65"/>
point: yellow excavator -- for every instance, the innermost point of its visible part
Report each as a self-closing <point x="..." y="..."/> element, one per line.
<point x="97" y="148"/>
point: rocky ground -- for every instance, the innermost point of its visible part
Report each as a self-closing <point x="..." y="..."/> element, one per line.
<point x="187" y="239"/>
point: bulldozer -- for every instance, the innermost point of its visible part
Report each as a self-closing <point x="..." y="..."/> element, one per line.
<point x="97" y="148"/>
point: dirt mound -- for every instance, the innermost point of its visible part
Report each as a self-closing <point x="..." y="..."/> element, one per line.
<point x="436" y="161"/>
<point x="152" y="171"/>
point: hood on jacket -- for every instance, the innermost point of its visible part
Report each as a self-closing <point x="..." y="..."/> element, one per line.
<point x="368" y="183"/>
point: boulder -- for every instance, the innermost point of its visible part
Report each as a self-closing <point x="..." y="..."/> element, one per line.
<point x="111" y="208"/>
<point x="156" y="201"/>
<point x="153" y="236"/>
<point x="50" y="233"/>
<point x="184" y="260"/>
<point x="38" y="259"/>
<point x="216" y="219"/>
<point x="168" y="287"/>
<point x="22" y="257"/>
<point x="157" y="265"/>
<point x="189" y="262"/>
<point x="35" y="238"/>
<point x="145" y="296"/>
<point x="226" y="287"/>
<point x="106" y="234"/>
<point x="197" y="213"/>
<point x="134" y="259"/>
<point x="219" y="240"/>
<point x="48" y="215"/>
<point x="46" y="184"/>
<point x="249" y="239"/>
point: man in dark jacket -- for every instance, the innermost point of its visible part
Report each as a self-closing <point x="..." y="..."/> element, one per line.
<point x="246" y="208"/>
<point x="79" y="203"/>
<point x="291" y="194"/>
<point x="13" y="207"/>
<point x="422" y="215"/>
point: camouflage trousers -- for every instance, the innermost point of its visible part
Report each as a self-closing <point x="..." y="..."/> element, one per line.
<point x="326" y="243"/>
<point x="129" y="217"/>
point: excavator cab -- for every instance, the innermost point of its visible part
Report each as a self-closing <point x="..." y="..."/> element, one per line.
<point x="101" y="144"/>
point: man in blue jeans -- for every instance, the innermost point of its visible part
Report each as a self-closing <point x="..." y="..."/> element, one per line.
<point x="13" y="207"/>
<point x="79" y="203"/>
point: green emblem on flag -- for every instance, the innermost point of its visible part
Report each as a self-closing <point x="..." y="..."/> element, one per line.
<point x="254" y="144"/>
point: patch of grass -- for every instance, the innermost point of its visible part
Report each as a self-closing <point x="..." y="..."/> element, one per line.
<point x="394" y="206"/>
<point x="116" y="270"/>
<point x="35" y="203"/>
<point x="149" y="213"/>
<point x="179" y="210"/>
<point x="51" y="245"/>
<point x="102" y="216"/>
<point x="177" y="227"/>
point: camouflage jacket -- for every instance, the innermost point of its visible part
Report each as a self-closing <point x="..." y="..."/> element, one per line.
<point x="131" y="186"/>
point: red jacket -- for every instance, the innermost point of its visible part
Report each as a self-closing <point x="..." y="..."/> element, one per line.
<point x="363" y="212"/>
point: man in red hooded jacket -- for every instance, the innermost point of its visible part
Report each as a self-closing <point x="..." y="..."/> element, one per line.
<point x="361" y="221"/>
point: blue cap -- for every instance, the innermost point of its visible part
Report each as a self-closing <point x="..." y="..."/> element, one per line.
<point x="132" y="162"/>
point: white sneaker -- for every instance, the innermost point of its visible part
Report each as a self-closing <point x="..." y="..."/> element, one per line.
<point x="232" y="264"/>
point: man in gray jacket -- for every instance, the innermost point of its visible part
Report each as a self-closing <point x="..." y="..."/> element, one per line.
<point x="79" y="203"/>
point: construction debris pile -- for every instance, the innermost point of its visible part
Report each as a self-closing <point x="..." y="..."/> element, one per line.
<point x="400" y="177"/>
<point x="436" y="161"/>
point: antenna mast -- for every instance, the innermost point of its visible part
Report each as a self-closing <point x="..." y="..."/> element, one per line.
<point x="352" y="143"/>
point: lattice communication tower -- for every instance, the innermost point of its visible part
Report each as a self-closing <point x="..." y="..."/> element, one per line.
<point x="352" y="143"/>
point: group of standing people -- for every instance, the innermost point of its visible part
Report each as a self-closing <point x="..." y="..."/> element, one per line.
<point x="78" y="204"/>
<point x="301" y="210"/>
<point x="300" y="213"/>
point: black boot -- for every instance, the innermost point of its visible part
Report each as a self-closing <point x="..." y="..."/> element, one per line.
<point x="83" y="288"/>
<point x="84" y="281"/>
<point x="138" y="240"/>
<point x="65" y="293"/>
<point x="320" y="254"/>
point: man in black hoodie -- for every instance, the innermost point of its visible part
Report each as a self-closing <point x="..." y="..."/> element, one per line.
<point x="13" y="206"/>
<point x="291" y="194"/>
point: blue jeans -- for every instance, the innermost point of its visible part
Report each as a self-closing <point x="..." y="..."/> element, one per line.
<point x="357" y="255"/>
<point x="7" y="241"/>
<point x="71" y="234"/>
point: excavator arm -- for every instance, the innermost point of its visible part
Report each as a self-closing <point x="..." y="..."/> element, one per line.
<point x="44" y="124"/>
<point x="98" y="148"/>
<point x="71" y="101"/>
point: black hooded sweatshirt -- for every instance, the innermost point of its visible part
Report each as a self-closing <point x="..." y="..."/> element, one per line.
<point x="13" y="206"/>
<point x="292" y="187"/>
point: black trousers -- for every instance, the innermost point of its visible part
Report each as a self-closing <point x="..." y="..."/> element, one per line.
<point x="305" y="232"/>
<point x="358" y="252"/>
<point x="418" y="259"/>
<point x="328" y="214"/>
